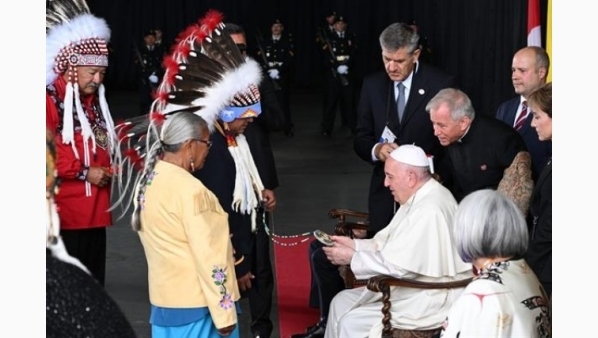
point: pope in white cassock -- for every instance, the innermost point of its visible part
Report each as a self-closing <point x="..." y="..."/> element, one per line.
<point x="417" y="244"/>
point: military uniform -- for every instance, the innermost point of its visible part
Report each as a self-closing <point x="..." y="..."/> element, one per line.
<point x="339" y="82"/>
<point x="326" y="30"/>
<point x="149" y="63"/>
<point x="277" y="62"/>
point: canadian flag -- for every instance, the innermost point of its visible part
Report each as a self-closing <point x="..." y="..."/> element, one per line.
<point x="534" y="34"/>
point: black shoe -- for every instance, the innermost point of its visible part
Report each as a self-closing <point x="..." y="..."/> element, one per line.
<point x="314" y="331"/>
<point x="262" y="330"/>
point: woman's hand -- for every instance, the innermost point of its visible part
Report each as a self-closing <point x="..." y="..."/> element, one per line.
<point x="226" y="331"/>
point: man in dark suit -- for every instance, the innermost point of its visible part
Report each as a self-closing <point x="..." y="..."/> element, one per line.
<point x="271" y="119"/>
<point x="257" y="135"/>
<point x="479" y="148"/>
<point x="379" y="131"/>
<point x="528" y="72"/>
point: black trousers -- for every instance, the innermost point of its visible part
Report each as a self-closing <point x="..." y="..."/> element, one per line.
<point x="284" y="99"/>
<point x="326" y="281"/>
<point x="337" y="95"/>
<point x="262" y="288"/>
<point x="89" y="247"/>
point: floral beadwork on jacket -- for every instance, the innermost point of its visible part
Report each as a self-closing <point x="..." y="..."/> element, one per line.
<point x="219" y="276"/>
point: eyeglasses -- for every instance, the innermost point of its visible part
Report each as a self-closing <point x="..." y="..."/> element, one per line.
<point x="208" y="143"/>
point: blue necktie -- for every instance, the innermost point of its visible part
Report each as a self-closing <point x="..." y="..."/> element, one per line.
<point x="401" y="100"/>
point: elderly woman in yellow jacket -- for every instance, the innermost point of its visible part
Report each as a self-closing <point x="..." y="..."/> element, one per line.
<point x="185" y="236"/>
<point x="183" y="228"/>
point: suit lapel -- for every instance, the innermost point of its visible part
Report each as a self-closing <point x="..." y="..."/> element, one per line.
<point x="527" y="125"/>
<point x="512" y="111"/>
<point x="417" y="94"/>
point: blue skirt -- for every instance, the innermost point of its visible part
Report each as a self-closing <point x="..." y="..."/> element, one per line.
<point x="186" y="323"/>
<point x="203" y="328"/>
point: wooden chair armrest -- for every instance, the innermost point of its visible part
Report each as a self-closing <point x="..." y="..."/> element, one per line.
<point x="341" y="214"/>
<point x="344" y="228"/>
<point x="383" y="283"/>
<point x="349" y="278"/>
<point x="380" y="282"/>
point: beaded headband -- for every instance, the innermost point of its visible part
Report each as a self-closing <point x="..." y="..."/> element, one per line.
<point x="74" y="37"/>
<point x="89" y="52"/>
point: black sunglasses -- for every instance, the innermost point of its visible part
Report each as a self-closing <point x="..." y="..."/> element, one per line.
<point x="242" y="47"/>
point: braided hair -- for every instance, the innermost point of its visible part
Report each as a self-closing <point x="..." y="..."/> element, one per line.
<point x="205" y="74"/>
<point x="135" y="171"/>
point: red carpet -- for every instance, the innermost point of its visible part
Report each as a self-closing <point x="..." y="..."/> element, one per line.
<point x="293" y="282"/>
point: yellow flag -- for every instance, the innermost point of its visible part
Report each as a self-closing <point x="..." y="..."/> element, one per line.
<point x="549" y="38"/>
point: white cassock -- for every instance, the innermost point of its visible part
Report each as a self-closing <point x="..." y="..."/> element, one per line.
<point x="417" y="244"/>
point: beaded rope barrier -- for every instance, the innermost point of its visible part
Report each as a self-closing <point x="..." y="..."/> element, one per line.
<point x="276" y="239"/>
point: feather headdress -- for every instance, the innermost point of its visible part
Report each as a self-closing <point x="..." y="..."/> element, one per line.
<point x="75" y="37"/>
<point x="205" y="74"/>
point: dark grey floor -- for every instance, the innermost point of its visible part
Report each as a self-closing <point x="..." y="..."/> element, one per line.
<point x="316" y="173"/>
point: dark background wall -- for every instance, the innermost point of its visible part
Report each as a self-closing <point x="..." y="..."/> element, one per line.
<point x="471" y="39"/>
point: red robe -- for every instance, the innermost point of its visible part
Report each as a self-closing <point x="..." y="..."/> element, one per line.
<point x="75" y="209"/>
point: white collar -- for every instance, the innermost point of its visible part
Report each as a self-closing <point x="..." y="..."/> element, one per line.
<point x="407" y="82"/>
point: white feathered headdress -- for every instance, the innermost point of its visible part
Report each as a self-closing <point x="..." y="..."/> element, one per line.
<point x="75" y="37"/>
<point x="206" y="74"/>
